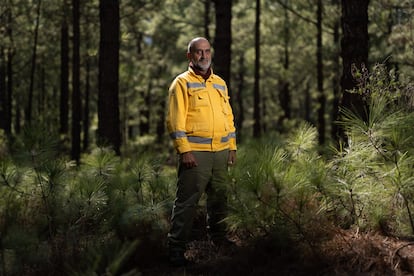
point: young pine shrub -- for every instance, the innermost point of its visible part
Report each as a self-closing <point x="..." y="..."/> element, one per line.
<point x="32" y="192"/>
<point x="276" y="187"/>
<point x="144" y="190"/>
<point x="373" y="175"/>
<point x="121" y="213"/>
<point x="141" y="200"/>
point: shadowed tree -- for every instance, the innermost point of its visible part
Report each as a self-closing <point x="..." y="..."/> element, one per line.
<point x="238" y="96"/>
<point x="257" y="126"/>
<point x="64" y="72"/>
<point x="284" y="95"/>
<point x="76" y="97"/>
<point x="29" y="104"/>
<point x="336" y="76"/>
<point x="207" y="7"/>
<point x="319" y="72"/>
<point x="3" y="98"/>
<point x="222" y="40"/>
<point x="7" y="76"/>
<point x="109" y="132"/>
<point x="354" y="52"/>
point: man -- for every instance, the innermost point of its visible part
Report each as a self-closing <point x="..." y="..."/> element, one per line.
<point x="200" y="122"/>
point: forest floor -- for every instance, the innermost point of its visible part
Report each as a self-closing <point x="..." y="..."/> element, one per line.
<point x="344" y="253"/>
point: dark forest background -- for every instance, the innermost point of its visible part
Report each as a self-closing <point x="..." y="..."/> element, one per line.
<point x="322" y="97"/>
<point x="99" y="71"/>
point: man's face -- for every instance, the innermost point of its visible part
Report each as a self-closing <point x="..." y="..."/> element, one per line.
<point x="200" y="55"/>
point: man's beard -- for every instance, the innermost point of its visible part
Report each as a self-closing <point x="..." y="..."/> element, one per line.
<point x="201" y="67"/>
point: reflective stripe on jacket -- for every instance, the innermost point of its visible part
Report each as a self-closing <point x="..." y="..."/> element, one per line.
<point x="199" y="116"/>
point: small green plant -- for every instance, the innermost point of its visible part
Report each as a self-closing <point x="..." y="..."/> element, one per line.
<point x="91" y="218"/>
<point x="276" y="187"/>
<point x="285" y="186"/>
<point x="374" y="177"/>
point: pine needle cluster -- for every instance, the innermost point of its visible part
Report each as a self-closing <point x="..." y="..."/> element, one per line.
<point x="285" y="186"/>
<point x="276" y="185"/>
<point x="58" y="218"/>
<point x="375" y="169"/>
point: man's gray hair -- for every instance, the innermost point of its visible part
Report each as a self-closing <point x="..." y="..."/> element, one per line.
<point x="194" y="40"/>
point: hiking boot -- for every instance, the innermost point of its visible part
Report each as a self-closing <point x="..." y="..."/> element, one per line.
<point x="177" y="258"/>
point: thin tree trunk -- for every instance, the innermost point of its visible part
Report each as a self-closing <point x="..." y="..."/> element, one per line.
<point x="109" y="132"/>
<point x="9" y="76"/>
<point x="319" y="70"/>
<point x="64" y="74"/>
<point x="9" y="103"/>
<point x="354" y="52"/>
<point x="257" y="126"/>
<point x="86" y="110"/>
<point x="335" y="79"/>
<point x="308" y="103"/>
<point x="29" y="104"/>
<point x="207" y="6"/>
<point x="42" y="99"/>
<point x="3" y="97"/>
<point x="89" y="62"/>
<point x="144" y="122"/>
<point x="9" y="87"/>
<point x="239" y="118"/>
<point x="284" y="94"/>
<point x="76" y="97"/>
<point x="222" y="40"/>
<point x="161" y="115"/>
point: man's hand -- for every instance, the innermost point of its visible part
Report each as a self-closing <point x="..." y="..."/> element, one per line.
<point x="232" y="158"/>
<point x="188" y="160"/>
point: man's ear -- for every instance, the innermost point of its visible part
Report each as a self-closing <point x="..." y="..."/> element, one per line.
<point x="188" y="56"/>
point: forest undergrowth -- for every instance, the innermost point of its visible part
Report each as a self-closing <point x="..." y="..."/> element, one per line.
<point x="348" y="252"/>
<point x="295" y="208"/>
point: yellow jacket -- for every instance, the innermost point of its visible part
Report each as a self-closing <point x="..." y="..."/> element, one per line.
<point x="199" y="116"/>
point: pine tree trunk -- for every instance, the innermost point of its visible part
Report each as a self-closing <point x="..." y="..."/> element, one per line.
<point x="76" y="97"/>
<point x="284" y="94"/>
<point x="335" y="79"/>
<point x="64" y="75"/>
<point x="222" y="40"/>
<point x="3" y="94"/>
<point x="109" y="132"/>
<point x="145" y="116"/>
<point x="9" y="88"/>
<point x="7" y="77"/>
<point x="354" y="51"/>
<point x="161" y="120"/>
<point x="320" y="78"/>
<point x="207" y="6"/>
<point x="238" y="96"/>
<point x="29" y="104"/>
<point x="257" y="126"/>
<point x="308" y="103"/>
<point x="86" y="109"/>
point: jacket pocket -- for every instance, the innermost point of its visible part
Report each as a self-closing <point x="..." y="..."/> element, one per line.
<point x="198" y="98"/>
<point x="225" y="102"/>
<point x="225" y="108"/>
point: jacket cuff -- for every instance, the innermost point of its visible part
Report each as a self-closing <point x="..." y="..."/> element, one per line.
<point x="182" y="147"/>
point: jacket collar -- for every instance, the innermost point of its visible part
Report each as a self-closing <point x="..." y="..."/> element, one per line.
<point x="198" y="73"/>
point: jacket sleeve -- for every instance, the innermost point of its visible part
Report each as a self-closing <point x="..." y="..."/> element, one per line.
<point x="177" y="114"/>
<point x="232" y="133"/>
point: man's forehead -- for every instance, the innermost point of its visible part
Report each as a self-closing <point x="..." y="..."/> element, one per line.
<point x="202" y="44"/>
<point x="202" y="48"/>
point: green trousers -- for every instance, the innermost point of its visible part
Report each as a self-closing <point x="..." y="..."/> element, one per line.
<point x="210" y="176"/>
